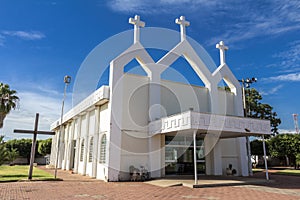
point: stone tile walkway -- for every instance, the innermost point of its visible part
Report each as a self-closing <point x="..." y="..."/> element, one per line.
<point x="81" y="187"/>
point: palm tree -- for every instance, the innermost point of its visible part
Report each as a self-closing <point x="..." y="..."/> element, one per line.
<point x="3" y="151"/>
<point x="8" y="101"/>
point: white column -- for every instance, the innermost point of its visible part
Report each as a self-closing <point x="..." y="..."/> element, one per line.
<point x="242" y="152"/>
<point x="66" y="148"/>
<point x="54" y="149"/>
<point x="115" y="107"/>
<point x="154" y="96"/>
<point x="213" y="159"/>
<point x="70" y="156"/>
<point x="86" y="143"/>
<point x="77" y="152"/>
<point x="96" y="141"/>
<point x="249" y="156"/>
<point x="155" y="155"/>
<point x="265" y="158"/>
<point x="154" y="142"/>
<point x="73" y="146"/>
<point x="195" y="157"/>
<point x="61" y="147"/>
<point x="162" y="157"/>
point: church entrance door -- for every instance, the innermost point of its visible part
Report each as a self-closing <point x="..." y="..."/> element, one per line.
<point x="179" y="155"/>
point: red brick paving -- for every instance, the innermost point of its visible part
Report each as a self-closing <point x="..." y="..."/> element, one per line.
<point x="80" y="187"/>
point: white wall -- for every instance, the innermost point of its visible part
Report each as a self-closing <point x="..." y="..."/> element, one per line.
<point x="175" y="98"/>
<point x="91" y="134"/>
<point x="83" y="134"/>
<point x="230" y="155"/>
<point x="135" y="102"/>
<point x="102" y="169"/>
<point x="134" y="145"/>
<point x="179" y="97"/>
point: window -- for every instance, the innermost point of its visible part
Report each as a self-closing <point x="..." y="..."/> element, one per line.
<point x="91" y="149"/>
<point x="102" y="154"/>
<point x="82" y="150"/>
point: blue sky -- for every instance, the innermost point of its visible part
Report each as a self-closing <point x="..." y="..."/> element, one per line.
<point x="42" y="41"/>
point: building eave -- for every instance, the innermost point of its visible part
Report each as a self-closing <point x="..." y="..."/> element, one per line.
<point x="97" y="98"/>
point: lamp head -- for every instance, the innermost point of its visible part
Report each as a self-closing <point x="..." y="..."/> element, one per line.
<point x="67" y="79"/>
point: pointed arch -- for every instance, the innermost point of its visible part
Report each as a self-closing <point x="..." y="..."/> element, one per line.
<point x="82" y="150"/>
<point x="102" y="154"/>
<point x="91" y="148"/>
<point x="181" y="71"/>
<point x="186" y="50"/>
<point x="224" y="73"/>
<point x="136" y="51"/>
<point x="134" y="67"/>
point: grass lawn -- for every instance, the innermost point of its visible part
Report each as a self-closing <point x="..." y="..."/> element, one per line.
<point x="20" y="172"/>
<point x="294" y="172"/>
<point x="255" y="170"/>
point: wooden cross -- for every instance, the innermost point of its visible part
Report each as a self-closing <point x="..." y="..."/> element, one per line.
<point x="136" y="21"/>
<point x="222" y="48"/>
<point x="34" y="132"/>
<point x="183" y="23"/>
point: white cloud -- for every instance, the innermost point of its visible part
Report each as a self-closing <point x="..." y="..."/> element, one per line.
<point x="290" y="59"/>
<point x="126" y="5"/>
<point x="46" y="103"/>
<point x="160" y="6"/>
<point x="285" y="77"/>
<point x="287" y="62"/>
<point x="2" y="40"/>
<point x="290" y="131"/>
<point x="239" y="21"/>
<point x="26" y="35"/>
<point x="273" y="90"/>
<point x="261" y="19"/>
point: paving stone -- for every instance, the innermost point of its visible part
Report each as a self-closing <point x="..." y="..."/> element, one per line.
<point x="80" y="187"/>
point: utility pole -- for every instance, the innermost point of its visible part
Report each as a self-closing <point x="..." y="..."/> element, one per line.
<point x="295" y="117"/>
<point x="246" y="84"/>
<point x="67" y="81"/>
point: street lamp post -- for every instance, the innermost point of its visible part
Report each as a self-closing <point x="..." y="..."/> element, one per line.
<point x="246" y="84"/>
<point x="67" y="81"/>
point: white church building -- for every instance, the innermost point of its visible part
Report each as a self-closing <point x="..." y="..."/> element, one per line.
<point x="165" y="127"/>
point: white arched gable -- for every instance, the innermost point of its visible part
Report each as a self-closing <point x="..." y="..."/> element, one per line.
<point x="136" y="51"/>
<point x="223" y="72"/>
<point x="186" y="50"/>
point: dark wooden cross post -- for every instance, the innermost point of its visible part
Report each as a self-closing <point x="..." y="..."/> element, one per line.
<point x="34" y="132"/>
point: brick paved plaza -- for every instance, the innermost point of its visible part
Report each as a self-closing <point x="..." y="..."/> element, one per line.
<point x="80" y="187"/>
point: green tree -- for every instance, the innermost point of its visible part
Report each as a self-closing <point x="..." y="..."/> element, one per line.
<point x="256" y="109"/>
<point x="8" y="101"/>
<point x="3" y="151"/>
<point x="257" y="148"/>
<point x="44" y="146"/>
<point x="12" y="155"/>
<point x="23" y="146"/>
<point x="285" y="145"/>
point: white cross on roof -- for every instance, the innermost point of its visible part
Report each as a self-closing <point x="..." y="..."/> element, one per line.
<point x="222" y="48"/>
<point x="183" y="23"/>
<point x="136" y="21"/>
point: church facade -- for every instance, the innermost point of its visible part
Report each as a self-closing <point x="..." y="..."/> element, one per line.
<point x="163" y="127"/>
